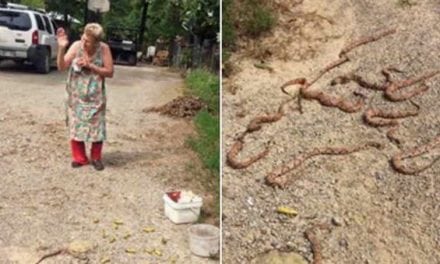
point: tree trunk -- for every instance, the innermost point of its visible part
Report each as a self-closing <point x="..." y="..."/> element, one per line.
<point x="140" y="41"/>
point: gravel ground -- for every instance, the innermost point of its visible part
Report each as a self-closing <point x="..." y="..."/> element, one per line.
<point x="46" y="205"/>
<point x="376" y="214"/>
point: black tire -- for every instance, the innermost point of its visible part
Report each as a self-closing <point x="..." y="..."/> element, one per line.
<point x="42" y="64"/>
<point x="132" y="59"/>
<point x="19" y="62"/>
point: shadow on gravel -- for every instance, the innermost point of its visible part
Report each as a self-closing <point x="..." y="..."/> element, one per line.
<point x="122" y="158"/>
<point x="16" y="67"/>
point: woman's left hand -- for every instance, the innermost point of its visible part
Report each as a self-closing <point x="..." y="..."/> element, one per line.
<point x="84" y="62"/>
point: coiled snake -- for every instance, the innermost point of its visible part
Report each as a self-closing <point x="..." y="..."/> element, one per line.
<point x="392" y="90"/>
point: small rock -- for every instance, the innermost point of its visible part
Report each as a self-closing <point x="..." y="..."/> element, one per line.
<point x="250" y="238"/>
<point x="337" y="221"/>
<point x="379" y="176"/>
<point x="274" y="244"/>
<point x="290" y="245"/>
<point x="343" y="243"/>
<point x="223" y="216"/>
<point x="250" y="201"/>
<point x="267" y="247"/>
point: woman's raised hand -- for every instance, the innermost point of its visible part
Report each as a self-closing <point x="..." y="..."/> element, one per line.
<point x="62" y="39"/>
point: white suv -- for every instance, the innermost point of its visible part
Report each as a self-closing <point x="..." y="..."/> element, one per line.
<point x="27" y="35"/>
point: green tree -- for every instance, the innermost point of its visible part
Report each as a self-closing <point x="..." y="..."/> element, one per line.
<point x="73" y="8"/>
<point x="200" y="17"/>
<point x="168" y="18"/>
<point x="123" y="13"/>
<point x="33" y="3"/>
<point x="163" y="20"/>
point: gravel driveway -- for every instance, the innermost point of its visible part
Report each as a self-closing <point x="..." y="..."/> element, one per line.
<point x="46" y="205"/>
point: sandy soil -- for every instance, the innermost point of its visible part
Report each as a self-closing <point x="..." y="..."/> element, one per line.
<point x="376" y="214"/>
<point x="46" y="205"/>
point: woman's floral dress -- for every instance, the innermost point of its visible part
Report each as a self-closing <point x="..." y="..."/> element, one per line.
<point x="86" y="102"/>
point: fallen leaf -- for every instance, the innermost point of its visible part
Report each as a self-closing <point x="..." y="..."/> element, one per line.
<point x="149" y="251"/>
<point x="149" y="229"/>
<point x="105" y="260"/>
<point x="118" y="222"/>
<point x="287" y="211"/>
<point x="263" y="67"/>
<point x="130" y="251"/>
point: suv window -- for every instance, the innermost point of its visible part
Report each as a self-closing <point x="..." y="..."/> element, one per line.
<point x="48" y="27"/>
<point x="40" y="23"/>
<point x="15" y="20"/>
<point x="55" y="27"/>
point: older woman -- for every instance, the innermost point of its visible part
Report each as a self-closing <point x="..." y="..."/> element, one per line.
<point x="89" y="62"/>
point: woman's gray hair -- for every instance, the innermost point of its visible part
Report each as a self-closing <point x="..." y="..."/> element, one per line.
<point x="95" y="30"/>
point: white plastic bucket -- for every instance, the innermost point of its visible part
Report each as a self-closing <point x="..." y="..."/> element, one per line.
<point x="204" y="240"/>
<point x="182" y="213"/>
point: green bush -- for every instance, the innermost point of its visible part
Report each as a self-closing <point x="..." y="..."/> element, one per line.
<point x="226" y="54"/>
<point x="228" y="34"/>
<point x="261" y="19"/>
<point x="405" y="3"/>
<point x="205" y="85"/>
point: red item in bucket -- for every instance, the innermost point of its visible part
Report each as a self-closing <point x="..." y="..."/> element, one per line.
<point x="175" y="196"/>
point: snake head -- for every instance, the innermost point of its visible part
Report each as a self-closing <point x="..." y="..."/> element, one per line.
<point x="297" y="81"/>
<point x="275" y="179"/>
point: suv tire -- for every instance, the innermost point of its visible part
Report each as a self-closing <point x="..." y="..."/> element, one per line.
<point x="42" y="64"/>
<point x="132" y="59"/>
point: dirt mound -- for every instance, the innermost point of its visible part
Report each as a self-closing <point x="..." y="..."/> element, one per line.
<point x="183" y="106"/>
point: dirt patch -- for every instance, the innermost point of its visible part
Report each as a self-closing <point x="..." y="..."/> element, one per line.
<point x="366" y="202"/>
<point x="183" y="107"/>
<point x="301" y="30"/>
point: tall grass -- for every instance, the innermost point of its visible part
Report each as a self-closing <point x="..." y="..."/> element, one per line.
<point x="206" y="85"/>
<point x="206" y="144"/>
